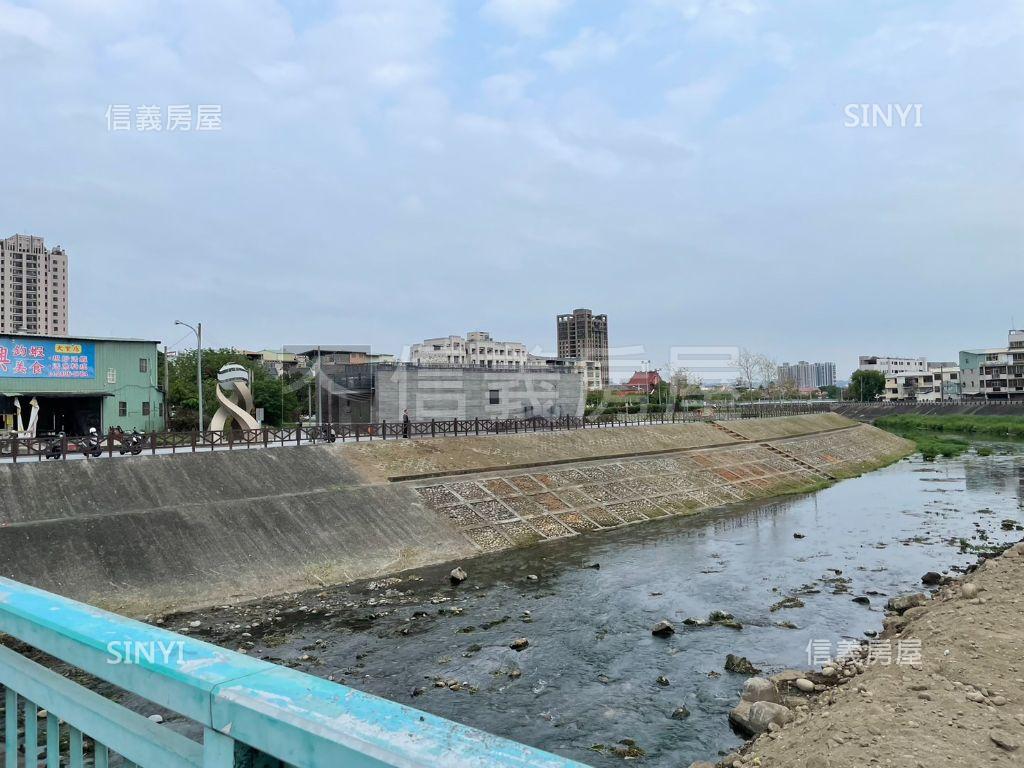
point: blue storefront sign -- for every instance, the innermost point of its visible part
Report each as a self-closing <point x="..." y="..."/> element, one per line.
<point x="38" y="359"/>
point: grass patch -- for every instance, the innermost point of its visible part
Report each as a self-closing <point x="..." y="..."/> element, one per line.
<point x="989" y="426"/>
<point x="932" y="433"/>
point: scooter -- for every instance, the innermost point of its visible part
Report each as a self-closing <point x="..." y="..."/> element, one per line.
<point x="92" y="445"/>
<point x="55" y="448"/>
<point x="132" y="443"/>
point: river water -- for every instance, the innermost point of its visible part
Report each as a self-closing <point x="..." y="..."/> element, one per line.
<point x="589" y="676"/>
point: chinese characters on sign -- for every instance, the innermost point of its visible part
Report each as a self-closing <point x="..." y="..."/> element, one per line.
<point x="175" y="117"/>
<point x="908" y="651"/>
<point x="46" y="360"/>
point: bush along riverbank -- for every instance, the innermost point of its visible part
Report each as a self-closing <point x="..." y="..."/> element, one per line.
<point x="951" y="435"/>
<point x="943" y="682"/>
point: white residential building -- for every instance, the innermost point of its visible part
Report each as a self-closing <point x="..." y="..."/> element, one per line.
<point x="33" y="287"/>
<point x="589" y="369"/>
<point x="995" y="373"/>
<point x="476" y="349"/>
<point x="888" y="366"/>
<point x="932" y="385"/>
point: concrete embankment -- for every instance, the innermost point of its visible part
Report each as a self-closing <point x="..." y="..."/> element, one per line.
<point x="942" y="686"/>
<point x="152" y="534"/>
<point x="871" y="411"/>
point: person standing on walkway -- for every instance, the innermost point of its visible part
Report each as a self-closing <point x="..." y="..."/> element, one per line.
<point x="405" y="423"/>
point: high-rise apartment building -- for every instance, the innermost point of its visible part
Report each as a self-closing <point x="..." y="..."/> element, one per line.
<point x="584" y="335"/>
<point x="33" y="287"/>
<point x="808" y="375"/>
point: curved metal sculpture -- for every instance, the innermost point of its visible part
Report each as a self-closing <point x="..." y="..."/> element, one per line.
<point x="20" y="429"/>
<point x="235" y="406"/>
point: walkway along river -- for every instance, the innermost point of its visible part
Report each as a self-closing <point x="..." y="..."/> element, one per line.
<point x="593" y="683"/>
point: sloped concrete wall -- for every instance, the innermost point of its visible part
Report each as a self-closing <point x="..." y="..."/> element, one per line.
<point x="872" y="411"/>
<point x="407" y="459"/>
<point x="514" y="508"/>
<point x="150" y="534"/>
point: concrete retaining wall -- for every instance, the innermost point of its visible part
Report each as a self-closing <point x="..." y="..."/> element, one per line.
<point x="150" y="534"/>
<point x="872" y="411"/>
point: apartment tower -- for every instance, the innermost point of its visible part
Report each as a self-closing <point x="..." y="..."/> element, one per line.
<point x="33" y="287"/>
<point x="584" y="335"/>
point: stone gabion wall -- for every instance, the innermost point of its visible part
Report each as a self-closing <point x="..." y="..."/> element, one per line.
<point x="499" y="511"/>
<point x="847" y="453"/>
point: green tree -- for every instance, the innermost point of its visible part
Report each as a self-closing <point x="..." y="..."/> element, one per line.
<point x="277" y="397"/>
<point x="866" y="385"/>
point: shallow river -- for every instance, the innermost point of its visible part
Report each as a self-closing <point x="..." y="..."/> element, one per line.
<point x="588" y="677"/>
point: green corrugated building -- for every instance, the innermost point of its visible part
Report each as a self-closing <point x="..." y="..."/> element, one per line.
<point x="80" y="382"/>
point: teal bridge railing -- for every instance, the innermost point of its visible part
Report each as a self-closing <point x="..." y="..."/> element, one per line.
<point x="252" y="714"/>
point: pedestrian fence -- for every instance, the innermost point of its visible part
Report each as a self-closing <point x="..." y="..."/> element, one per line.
<point x="115" y="443"/>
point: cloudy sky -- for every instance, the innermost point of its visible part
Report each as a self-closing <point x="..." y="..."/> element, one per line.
<point x="388" y="170"/>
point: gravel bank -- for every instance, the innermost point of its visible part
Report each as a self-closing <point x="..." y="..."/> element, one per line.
<point x="962" y="704"/>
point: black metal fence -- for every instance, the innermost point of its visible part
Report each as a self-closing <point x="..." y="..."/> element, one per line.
<point x="59" y="447"/>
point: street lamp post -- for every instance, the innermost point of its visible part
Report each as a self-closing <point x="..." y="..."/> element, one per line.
<point x="198" y="331"/>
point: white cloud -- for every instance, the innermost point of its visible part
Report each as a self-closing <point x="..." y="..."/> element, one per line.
<point x="507" y="87"/>
<point x="588" y="47"/>
<point x="26" y="24"/>
<point x="528" y="17"/>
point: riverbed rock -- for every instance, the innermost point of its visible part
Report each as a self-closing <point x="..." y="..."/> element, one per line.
<point x="862" y="600"/>
<point x="903" y="602"/>
<point x="969" y="591"/>
<point x="457" y="576"/>
<point x="519" y="644"/>
<point x="740" y="665"/>
<point x="662" y="681"/>
<point x="663" y="628"/>
<point x="1004" y="740"/>
<point x="931" y="578"/>
<point x="680" y="713"/>
<point x="804" y="685"/>
<point x="787" y="602"/>
<point x="759" y="689"/>
<point x="754" y="718"/>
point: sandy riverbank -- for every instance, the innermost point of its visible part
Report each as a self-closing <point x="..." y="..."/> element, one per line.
<point x="960" y="704"/>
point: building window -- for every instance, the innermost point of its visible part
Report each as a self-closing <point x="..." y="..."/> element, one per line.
<point x="111" y="376"/>
<point x="495" y="397"/>
<point x="143" y="365"/>
<point x="160" y="409"/>
<point x="145" y="409"/>
<point x="122" y="409"/>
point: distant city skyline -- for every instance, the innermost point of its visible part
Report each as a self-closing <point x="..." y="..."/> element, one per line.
<point x="382" y="171"/>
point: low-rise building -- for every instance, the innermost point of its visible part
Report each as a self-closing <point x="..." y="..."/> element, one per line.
<point x="476" y="392"/>
<point x="996" y="373"/>
<point x="888" y="366"/>
<point x="643" y="382"/>
<point x="934" y="385"/>
<point x="477" y="348"/>
<point x="590" y="370"/>
<point x="80" y="382"/>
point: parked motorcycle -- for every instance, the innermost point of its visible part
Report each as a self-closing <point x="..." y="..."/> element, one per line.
<point x="92" y="445"/>
<point x="55" y="448"/>
<point x="132" y="443"/>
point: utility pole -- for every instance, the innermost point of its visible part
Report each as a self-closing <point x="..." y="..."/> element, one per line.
<point x="198" y="331"/>
<point x="167" y="384"/>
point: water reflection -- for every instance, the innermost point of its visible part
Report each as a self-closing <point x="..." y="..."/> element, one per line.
<point x="589" y="676"/>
